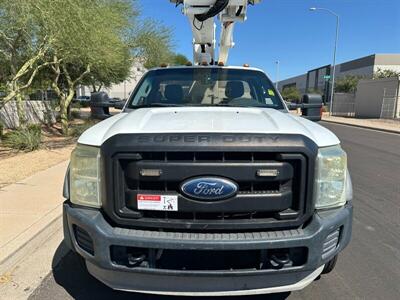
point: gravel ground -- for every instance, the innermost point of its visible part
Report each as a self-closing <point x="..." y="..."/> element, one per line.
<point x="18" y="165"/>
<point x="22" y="165"/>
<point x="55" y="148"/>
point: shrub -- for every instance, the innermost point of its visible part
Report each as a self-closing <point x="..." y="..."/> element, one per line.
<point x="385" y="73"/>
<point x="26" y="139"/>
<point x="75" y="114"/>
<point x="291" y="94"/>
<point x="347" y="84"/>
<point x="78" y="129"/>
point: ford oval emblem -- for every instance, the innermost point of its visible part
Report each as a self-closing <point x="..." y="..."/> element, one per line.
<point x="209" y="188"/>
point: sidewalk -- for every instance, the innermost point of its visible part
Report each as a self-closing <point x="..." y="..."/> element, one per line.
<point x="377" y="124"/>
<point x="29" y="211"/>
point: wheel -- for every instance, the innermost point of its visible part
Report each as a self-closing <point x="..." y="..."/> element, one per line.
<point x="329" y="266"/>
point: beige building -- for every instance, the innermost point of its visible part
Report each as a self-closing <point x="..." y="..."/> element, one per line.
<point x="123" y="89"/>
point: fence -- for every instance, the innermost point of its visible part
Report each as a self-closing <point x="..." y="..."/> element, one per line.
<point x="389" y="103"/>
<point x="378" y="98"/>
<point x="344" y="105"/>
<point x="36" y="112"/>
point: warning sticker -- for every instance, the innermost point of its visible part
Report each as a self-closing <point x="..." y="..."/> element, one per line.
<point x="157" y="202"/>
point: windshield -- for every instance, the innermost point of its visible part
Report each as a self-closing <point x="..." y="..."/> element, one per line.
<point x="205" y="87"/>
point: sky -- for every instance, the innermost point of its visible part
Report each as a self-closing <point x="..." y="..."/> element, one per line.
<point x="286" y="31"/>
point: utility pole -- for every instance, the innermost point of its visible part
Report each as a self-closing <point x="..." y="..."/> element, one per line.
<point x="333" y="75"/>
<point x="277" y="73"/>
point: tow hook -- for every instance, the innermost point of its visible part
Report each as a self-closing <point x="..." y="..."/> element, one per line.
<point x="278" y="260"/>
<point x="135" y="261"/>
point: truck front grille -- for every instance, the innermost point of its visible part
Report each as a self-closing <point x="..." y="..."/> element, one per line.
<point x="276" y="202"/>
<point x="258" y="198"/>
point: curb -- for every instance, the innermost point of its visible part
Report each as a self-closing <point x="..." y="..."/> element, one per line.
<point x="20" y="251"/>
<point x="27" y="275"/>
<point x="362" y="126"/>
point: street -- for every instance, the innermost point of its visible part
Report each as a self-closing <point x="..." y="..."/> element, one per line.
<point x="368" y="269"/>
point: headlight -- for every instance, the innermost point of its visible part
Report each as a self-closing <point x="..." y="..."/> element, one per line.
<point x="330" y="180"/>
<point x="85" y="176"/>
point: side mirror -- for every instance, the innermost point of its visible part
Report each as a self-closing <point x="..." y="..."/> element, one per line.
<point x="119" y="104"/>
<point x="99" y="106"/>
<point x="292" y="106"/>
<point x="311" y="107"/>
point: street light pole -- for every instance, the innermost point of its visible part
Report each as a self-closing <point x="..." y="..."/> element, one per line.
<point x="277" y="73"/>
<point x="334" y="53"/>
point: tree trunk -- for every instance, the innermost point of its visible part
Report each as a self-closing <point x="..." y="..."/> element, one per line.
<point x="64" y="117"/>
<point x="64" y="109"/>
<point x="21" y="110"/>
<point x="96" y="89"/>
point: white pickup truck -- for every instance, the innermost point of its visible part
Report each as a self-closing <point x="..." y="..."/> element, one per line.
<point x="206" y="185"/>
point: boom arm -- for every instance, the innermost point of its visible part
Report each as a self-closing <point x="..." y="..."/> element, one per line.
<point x="201" y="15"/>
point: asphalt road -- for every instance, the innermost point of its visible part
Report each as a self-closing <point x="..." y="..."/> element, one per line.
<point x="368" y="269"/>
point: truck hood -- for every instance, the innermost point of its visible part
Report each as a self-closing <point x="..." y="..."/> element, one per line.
<point x="204" y="120"/>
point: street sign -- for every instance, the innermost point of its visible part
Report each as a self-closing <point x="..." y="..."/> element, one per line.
<point x="327" y="77"/>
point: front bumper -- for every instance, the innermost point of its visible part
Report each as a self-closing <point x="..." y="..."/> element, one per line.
<point x="206" y="283"/>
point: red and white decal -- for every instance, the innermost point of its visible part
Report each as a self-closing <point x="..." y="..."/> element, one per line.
<point x="157" y="202"/>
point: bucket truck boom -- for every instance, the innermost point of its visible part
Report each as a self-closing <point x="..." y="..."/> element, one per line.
<point x="201" y="15"/>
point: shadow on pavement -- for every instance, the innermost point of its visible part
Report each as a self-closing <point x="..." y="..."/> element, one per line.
<point x="70" y="273"/>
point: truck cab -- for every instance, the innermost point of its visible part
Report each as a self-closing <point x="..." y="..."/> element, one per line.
<point x="206" y="185"/>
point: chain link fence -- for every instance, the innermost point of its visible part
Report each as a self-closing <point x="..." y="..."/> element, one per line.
<point x="389" y="103"/>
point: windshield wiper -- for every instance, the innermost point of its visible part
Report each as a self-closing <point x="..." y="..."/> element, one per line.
<point x="156" y="105"/>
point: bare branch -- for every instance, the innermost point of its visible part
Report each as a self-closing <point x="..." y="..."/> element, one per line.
<point x="87" y="71"/>
<point x="34" y="73"/>
<point x="7" y="39"/>
<point x="27" y="66"/>
<point x="5" y="54"/>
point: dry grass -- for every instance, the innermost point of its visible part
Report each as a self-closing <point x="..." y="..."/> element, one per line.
<point x="55" y="148"/>
<point x="18" y="165"/>
<point x="23" y="165"/>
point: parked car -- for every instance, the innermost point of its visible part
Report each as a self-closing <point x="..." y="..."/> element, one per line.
<point x="84" y="101"/>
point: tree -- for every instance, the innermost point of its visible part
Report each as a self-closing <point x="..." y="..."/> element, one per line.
<point x="95" y="43"/>
<point x="152" y="42"/>
<point x="180" y="60"/>
<point x="291" y="94"/>
<point x="385" y="73"/>
<point x="87" y="46"/>
<point x="347" y="84"/>
<point x="72" y="42"/>
<point x="23" y="47"/>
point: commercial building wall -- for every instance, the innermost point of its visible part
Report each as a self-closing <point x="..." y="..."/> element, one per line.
<point x="363" y="67"/>
<point x="370" y="96"/>
<point x="299" y="82"/>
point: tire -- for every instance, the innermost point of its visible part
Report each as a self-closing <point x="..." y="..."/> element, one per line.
<point x="330" y="265"/>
